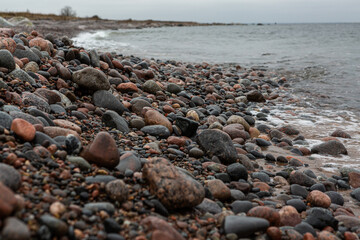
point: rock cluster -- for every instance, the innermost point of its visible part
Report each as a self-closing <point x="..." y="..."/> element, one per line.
<point x="96" y="145"/>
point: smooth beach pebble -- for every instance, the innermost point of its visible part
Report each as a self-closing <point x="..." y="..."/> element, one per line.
<point x="23" y="129"/>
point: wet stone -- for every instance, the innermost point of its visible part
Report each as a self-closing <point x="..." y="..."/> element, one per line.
<point x="56" y="226"/>
<point x="156" y="130"/>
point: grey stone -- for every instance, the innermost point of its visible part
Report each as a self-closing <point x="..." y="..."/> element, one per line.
<point x="100" y="206"/>
<point x="150" y="86"/>
<point x="91" y="78"/>
<point x="10" y="177"/>
<point x="114" y="120"/>
<point x="156" y="130"/>
<point x="105" y="99"/>
<point x="79" y="162"/>
<point x="14" y="229"/>
<point x="7" y="60"/>
<point x="22" y="75"/>
<point x="217" y="143"/>
<point x="56" y="226"/>
<point x="5" y="120"/>
<point x="244" y="226"/>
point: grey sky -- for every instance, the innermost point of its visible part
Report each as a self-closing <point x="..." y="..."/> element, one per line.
<point x="242" y="11"/>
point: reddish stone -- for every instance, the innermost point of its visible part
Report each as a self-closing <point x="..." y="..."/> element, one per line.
<point x="23" y="129"/>
<point x="102" y="151"/>
<point x="341" y="134"/>
<point x="174" y="188"/>
<point x="254" y="132"/>
<point x="7" y="32"/>
<point x="325" y="235"/>
<point x="354" y="179"/>
<point x="168" y="109"/>
<point x="117" y="64"/>
<point x="104" y="65"/>
<point x="58" y="131"/>
<point x="180" y="141"/>
<point x="40" y="42"/>
<point x="308" y="236"/>
<point x="305" y="151"/>
<point x="262" y="186"/>
<point x="8" y="43"/>
<point x="244" y="187"/>
<point x="267" y="213"/>
<point x="317" y="198"/>
<point x="153" y="117"/>
<point x="52" y="97"/>
<point x="350" y="236"/>
<point x="161" y="229"/>
<point x="289" y="216"/>
<point x="127" y="87"/>
<point x="236" y="131"/>
<point x="67" y="124"/>
<point x="18" y="62"/>
<point x="274" y="233"/>
<point x="218" y="189"/>
<point x="7" y="201"/>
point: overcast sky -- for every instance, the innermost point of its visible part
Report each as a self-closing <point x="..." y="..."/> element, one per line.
<point x="240" y="11"/>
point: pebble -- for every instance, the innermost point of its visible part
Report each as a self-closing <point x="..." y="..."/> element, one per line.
<point x="217" y="143"/>
<point x="23" y="129"/>
<point x="241" y="206"/>
<point x="91" y="78"/>
<point x="244" y="226"/>
<point x="102" y="151"/>
<point x="289" y="216"/>
<point x="113" y="120"/>
<point x="7" y="201"/>
<point x="318" y="199"/>
<point x="14" y="229"/>
<point x="117" y="190"/>
<point x="160" y="229"/>
<point x="105" y="99"/>
<point x="218" y="189"/>
<point x="172" y="187"/>
<point x="267" y="213"/>
<point x="129" y="160"/>
<point x="56" y="226"/>
<point x="7" y="60"/>
<point x="332" y="147"/>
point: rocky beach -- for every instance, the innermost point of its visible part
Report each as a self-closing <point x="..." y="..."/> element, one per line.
<point x="97" y="145"/>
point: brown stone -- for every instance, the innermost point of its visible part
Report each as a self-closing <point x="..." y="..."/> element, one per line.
<point x="23" y="129"/>
<point x="325" y="235"/>
<point x="354" y="179"/>
<point x="262" y="186"/>
<point x="274" y="233"/>
<point x="350" y="236"/>
<point x="267" y="213"/>
<point x="236" y="131"/>
<point x="180" y="141"/>
<point x="289" y="216"/>
<point x="153" y="117"/>
<point x="174" y="188"/>
<point x="254" y="132"/>
<point x="255" y="96"/>
<point x="218" y="189"/>
<point x="102" y="151"/>
<point x="117" y="64"/>
<point x="59" y="131"/>
<point x="349" y="221"/>
<point x="117" y="190"/>
<point x="341" y="134"/>
<point x="127" y="87"/>
<point x="317" y="198"/>
<point x="161" y="229"/>
<point x="8" y="43"/>
<point x="244" y="187"/>
<point x="51" y="96"/>
<point x="8" y="32"/>
<point x="67" y="124"/>
<point x="308" y="236"/>
<point x="240" y="120"/>
<point x="192" y="114"/>
<point x="7" y="201"/>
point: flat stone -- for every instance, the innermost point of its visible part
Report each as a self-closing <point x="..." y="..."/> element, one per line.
<point x="117" y="190"/>
<point x="114" y="120"/>
<point x="105" y="99"/>
<point x="129" y="160"/>
<point x="79" y="162"/>
<point x="156" y="130"/>
<point x="100" y="206"/>
<point x="22" y="75"/>
<point x="209" y="206"/>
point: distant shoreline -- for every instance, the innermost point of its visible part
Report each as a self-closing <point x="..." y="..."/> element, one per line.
<point x="72" y="26"/>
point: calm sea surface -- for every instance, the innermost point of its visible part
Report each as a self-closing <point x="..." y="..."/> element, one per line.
<point x="322" y="61"/>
